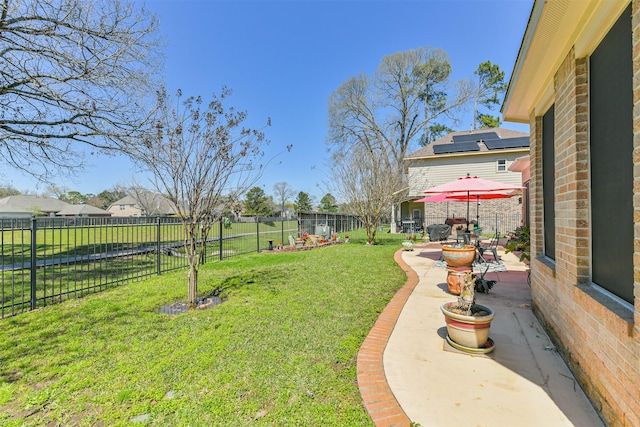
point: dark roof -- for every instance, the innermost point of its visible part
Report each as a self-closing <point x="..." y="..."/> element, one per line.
<point x="480" y="140"/>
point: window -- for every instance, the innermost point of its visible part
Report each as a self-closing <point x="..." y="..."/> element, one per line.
<point x="122" y="207"/>
<point x="502" y="165"/>
<point x="611" y="160"/>
<point x="548" y="182"/>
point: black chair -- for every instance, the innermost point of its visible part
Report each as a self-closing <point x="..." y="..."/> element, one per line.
<point x="491" y="247"/>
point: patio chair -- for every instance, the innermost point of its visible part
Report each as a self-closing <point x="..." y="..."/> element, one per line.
<point x="492" y="247"/>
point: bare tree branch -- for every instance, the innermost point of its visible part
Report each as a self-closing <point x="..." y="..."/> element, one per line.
<point x="73" y="73"/>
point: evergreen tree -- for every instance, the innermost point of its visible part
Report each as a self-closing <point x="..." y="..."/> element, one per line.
<point x="257" y="203"/>
<point x="491" y="87"/>
<point x="303" y="202"/>
<point x="328" y="203"/>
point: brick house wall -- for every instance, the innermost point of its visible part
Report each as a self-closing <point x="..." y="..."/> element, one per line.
<point x="598" y="337"/>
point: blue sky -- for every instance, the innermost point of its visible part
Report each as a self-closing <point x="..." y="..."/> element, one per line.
<point x="283" y="59"/>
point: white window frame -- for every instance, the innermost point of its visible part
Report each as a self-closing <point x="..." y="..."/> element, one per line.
<point x="501" y="165"/>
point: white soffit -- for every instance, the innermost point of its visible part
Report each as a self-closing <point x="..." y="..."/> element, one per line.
<point x="555" y="26"/>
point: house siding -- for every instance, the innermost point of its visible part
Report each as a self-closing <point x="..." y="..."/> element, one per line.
<point x="129" y="210"/>
<point x="596" y="334"/>
<point x="435" y="170"/>
<point x="425" y="173"/>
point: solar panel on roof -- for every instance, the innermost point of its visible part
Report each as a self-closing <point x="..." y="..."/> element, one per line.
<point x="474" y="137"/>
<point x="459" y="147"/>
<point x="518" y="142"/>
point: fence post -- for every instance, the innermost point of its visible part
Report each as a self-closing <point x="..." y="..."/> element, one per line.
<point x="220" y="240"/>
<point x="203" y="239"/>
<point x="34" y="229"/>
<point x="158" y="246"/>
<point x="282" y="229"/>
<point x="258" y="234"/>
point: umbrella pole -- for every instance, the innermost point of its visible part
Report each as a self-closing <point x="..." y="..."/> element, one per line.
<point x="468" y="196"/>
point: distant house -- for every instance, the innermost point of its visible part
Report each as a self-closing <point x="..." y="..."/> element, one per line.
<point x="83" y="211"/>
<point x="143" y="204"/>
<point x="523" y="165"/>
<point x="486" y="153"/>
<point x="12" y="211"/>
<point x="576" y="82"/>
<point x="36" y="205"/>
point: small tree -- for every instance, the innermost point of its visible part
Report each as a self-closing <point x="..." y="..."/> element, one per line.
<point x="198" y="153"/>
<point x="367" y="182"/>
<point x="74" y="197"/>
<point x="328" y="203"/>
<point x="257" y="203"/>
<point x="303" y="202"/>
<point x="283" y="192"/>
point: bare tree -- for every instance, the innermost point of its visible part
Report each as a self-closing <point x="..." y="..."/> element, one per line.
<point x="55" y="191"/>
<point x="73" y="74"/>
<point x="283" y="193"/>
<point x="366" y="181"/>
<point x="200" y="154"/>
<point x="387" y="113"/>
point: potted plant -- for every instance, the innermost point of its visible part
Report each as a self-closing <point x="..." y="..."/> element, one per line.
<point x="468" y="323"/>
<point x="407" y="245"/>
<point x="520" y="241"/>
<point x="458" y="255"/>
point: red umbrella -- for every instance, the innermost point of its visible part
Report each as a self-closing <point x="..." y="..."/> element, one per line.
<point x="471" y="185"/>
<point x="462" y="197"/>
<point x="468" y="184"/>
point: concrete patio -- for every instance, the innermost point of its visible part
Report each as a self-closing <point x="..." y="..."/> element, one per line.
<point x="407" y="372"/>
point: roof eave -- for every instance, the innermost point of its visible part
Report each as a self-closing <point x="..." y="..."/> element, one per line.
<point x="469" y="154"/>
<point x="554" y="28"/>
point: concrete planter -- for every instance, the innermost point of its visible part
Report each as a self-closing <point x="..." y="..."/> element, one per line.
<point x="469" y="331"/>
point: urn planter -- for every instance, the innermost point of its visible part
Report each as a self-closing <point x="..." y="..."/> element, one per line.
<point x="459" y="255"/>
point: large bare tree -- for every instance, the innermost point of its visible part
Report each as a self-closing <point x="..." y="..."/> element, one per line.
<point x="393" y="111"/>
<point x="200" y="156"/>
<point x="73" y="74"/>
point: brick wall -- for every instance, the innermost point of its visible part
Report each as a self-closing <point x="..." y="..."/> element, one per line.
<point x="597" y="336"/>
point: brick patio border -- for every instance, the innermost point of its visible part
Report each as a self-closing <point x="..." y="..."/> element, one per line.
<point x="377" y="397"/>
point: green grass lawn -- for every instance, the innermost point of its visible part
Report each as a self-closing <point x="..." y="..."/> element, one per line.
<point x="281" y="351"/>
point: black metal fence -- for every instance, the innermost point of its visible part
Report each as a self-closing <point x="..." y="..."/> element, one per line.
<point x="490" y="224"/>
<point x="48" y="260"/>
<point x="327" y="223"/>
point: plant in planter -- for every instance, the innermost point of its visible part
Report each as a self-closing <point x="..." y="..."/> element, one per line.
<point x="520" y="241"/>
<point x="407" y="245"/>
<point x="468" y="323"/>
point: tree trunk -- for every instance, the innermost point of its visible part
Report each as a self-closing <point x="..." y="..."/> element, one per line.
<point x="194" y="265"/>
<point x="193" y="282"/>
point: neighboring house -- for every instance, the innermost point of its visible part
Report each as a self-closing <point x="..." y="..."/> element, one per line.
<point x="143" y="204"/>
<point x="486" y="153"/>
<point x="523" y="165"/>
<point x="576" y="82"/>
<point x="12" y="212"/>
<point x="34" y="204"/>
<point x="83" y="211"/>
